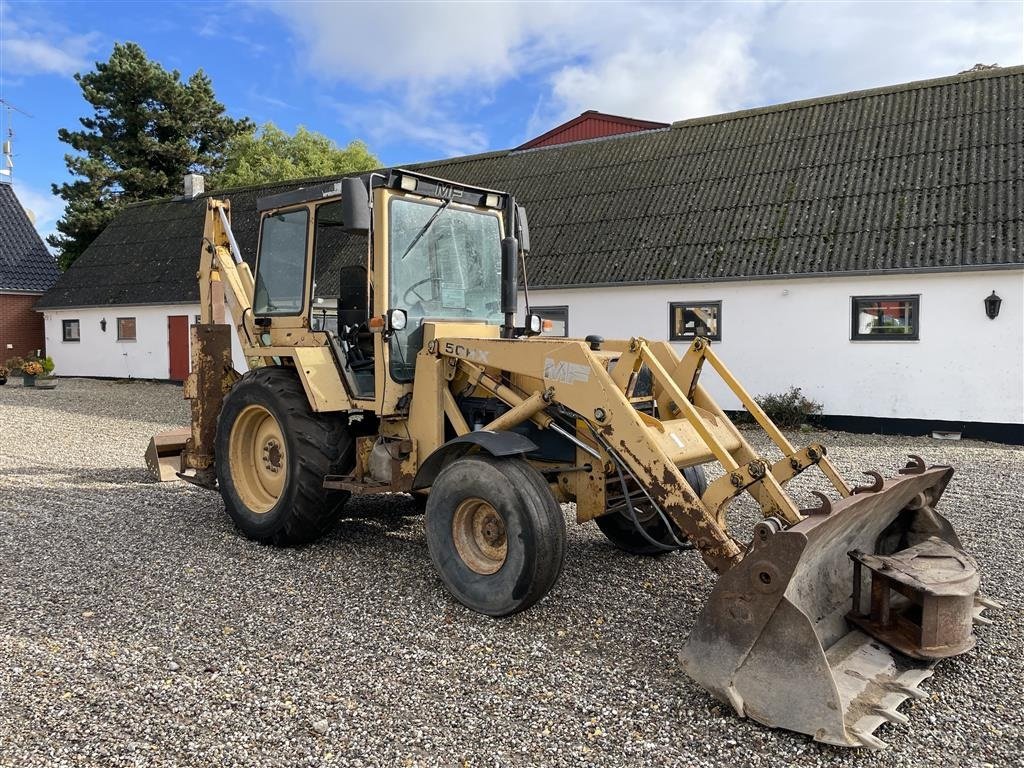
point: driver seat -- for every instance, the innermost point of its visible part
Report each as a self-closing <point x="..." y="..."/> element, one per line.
<point x="355" y="341"/>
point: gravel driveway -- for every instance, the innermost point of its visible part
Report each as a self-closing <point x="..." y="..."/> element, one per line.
<point x="138" y="628"/>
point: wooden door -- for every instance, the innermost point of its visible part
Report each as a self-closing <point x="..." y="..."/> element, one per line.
<point x="177" y="340"/>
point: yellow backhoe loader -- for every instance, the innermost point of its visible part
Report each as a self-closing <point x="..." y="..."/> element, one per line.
<point x="380" y="327"/>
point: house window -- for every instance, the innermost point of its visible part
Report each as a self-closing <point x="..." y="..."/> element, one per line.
<point x="72" y="330"/>
<point x="559" y="317"/>
<point x="126" y="329"/>
<point x="689" y="319"/>
<point x="885" y="318"/>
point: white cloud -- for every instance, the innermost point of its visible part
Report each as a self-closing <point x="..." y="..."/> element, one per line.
<point x="381" y="123"/>
<point x="33" y="46"/>
<point x="45" y="207"/>
<point x="710" y="73"/>
<point x="457" y="45"/>
<point x="660" y="61"/>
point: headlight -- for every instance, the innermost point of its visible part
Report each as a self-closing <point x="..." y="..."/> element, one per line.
<point x="397" y="319"/>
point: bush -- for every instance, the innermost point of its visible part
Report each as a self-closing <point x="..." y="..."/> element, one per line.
<point x="789" y="409"/>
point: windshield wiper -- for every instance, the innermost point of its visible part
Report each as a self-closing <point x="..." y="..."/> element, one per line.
<point x="426" y="226"/>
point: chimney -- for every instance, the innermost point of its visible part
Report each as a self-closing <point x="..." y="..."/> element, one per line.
<point x="195" y="185"/>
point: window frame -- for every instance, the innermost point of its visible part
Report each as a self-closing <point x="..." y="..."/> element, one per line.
<point x="64" y="330"/>
<point x="717" y="336"/>
<point x="135" y="327"/>
<point x="913" y="298"/>
<point x="306" y="287"/>
<point x="554" y="308"/>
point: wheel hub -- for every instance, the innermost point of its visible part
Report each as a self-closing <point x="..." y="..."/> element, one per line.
<point x="272" y="455"/>
<point x="257" y="458"/>
<point x="478" y="531"/>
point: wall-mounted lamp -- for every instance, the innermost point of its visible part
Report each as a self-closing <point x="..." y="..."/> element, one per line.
<point x="992" y="304"/>
<point x="103" y="325"/>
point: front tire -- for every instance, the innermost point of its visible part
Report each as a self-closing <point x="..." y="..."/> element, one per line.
<point x="272" y="453"/>
<point x="495" y="533"/>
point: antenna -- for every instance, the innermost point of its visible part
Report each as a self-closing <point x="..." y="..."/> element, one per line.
<point x="8" y="152"/>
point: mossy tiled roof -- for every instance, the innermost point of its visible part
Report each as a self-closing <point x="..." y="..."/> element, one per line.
<point x="25" y="263"/>
<point x="926" y="175"/>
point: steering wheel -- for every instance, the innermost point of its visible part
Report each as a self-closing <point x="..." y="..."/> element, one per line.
<point x="412" y="290"/>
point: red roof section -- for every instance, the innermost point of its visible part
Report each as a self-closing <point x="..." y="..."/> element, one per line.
<point x="590" y="125"/>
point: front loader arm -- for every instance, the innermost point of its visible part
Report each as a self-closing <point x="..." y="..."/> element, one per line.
<point x="650" y="452"/>
<point x="577" y="380"/>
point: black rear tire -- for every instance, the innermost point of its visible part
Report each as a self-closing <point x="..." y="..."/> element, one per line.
<point x="518" y="554"/>
<point x="312" y="445"/>
<point x="621" y="531"/>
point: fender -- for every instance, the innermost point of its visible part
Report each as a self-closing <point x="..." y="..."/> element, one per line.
<point x="497" y="444"/>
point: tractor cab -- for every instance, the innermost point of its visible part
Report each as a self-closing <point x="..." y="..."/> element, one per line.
<point x="433" y="251"/>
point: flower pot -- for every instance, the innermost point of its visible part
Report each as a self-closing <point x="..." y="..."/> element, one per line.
<point x="28" y="381"/>
<point x="46" y="383"/>
<point x="3" y="380"/>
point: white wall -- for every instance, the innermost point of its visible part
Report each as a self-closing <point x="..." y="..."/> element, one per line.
<point x="777" y="333"/>
<point x="99" y="353"/>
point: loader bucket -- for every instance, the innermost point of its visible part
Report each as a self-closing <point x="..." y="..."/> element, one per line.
<point x="163" y="454"/>
<point x="803" y="633"/>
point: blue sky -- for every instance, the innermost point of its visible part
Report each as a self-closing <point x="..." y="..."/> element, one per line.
<point x="429" y="80"/>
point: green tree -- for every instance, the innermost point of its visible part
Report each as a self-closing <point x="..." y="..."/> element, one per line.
<point x="270" y="154"/>
<point x="148" y="129"/>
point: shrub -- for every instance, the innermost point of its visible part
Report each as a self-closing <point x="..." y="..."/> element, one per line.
<point x="14" y="363"/>
<point x="47" y="363"/>
<point x="32" y="368"/>
<point x="789" y="409"/>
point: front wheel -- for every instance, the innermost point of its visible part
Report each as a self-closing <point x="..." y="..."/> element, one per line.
<point x="272" y="453"/>
<point x="495" y="533"/>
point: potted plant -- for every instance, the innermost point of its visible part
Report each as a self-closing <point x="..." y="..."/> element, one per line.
<point x="30" y="369"/>
<point x="4" y="373"/>
<point x="46" y="381"/>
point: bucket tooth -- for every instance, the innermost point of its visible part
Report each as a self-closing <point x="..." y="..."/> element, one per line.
<point x="868" y="740"/>
<point x="892" y="715"/>
<point x="981" y="621"/>
<point x="909" y="691"/>
<point x="981" y="602"/>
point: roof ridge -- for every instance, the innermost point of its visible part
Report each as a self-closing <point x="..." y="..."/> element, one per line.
<point x="863" y="93"/>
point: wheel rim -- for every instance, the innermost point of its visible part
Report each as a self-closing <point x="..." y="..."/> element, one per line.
<point x="479" y="535"/>
<point x="258" y="460"/>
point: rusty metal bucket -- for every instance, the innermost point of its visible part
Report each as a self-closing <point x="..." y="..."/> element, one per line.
<point x="826" y="627"/>
<point x="164" y="453"/>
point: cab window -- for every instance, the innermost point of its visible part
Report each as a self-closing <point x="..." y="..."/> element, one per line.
<point x="281" y="266"/>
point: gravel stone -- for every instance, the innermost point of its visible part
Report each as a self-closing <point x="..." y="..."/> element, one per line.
<point x="138" y="628"/>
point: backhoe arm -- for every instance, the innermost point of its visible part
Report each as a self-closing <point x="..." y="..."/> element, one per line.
<point x="224" y="278"/>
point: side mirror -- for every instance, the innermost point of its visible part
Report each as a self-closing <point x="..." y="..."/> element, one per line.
<point x="534" y="325"/>
<point x="522" y="229"/>
<point x="355" y="206"/>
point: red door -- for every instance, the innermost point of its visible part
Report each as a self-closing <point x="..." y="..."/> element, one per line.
<point x="177" y="340"/>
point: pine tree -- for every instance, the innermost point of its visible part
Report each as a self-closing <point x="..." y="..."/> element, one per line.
<point x="148" y="129"/>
